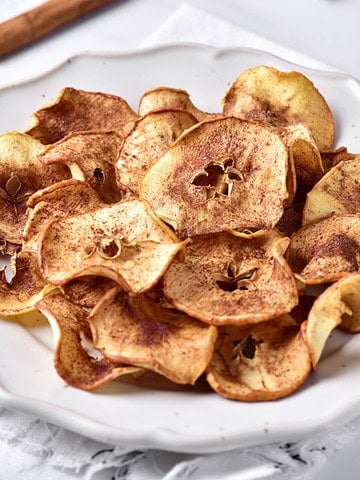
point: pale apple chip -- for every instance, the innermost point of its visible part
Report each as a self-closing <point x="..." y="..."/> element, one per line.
<point x="326" y="250"/>
<point x="262" y="362"/>
<point x="337" y="192"/>
<point x="23" y="287"/>
<point x="91" y="157"/>
<point x="220" y="175"/>
<point x="21" y="174"/>
<point x="87" y="291"/>
<point x="229" y="280"/>
<point x="137" y="330"/>
<point x="74" y="359"/>
<point x="78" y="110"/>
<point x="62" y="199"/>
<point x="281" y="98"/>
<point x="337" y="306"/>
<point x="151" y="136"/>
<point x="124" y="242"/>
<point x="160" y="98"/>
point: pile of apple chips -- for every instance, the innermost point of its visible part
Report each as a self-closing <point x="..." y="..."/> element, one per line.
<point x="183" y="242"/>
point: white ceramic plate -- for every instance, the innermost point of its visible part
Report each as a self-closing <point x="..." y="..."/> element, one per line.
<point x="198" y="421"/>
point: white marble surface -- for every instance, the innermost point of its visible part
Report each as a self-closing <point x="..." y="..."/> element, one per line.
<point x="315" y="32"/>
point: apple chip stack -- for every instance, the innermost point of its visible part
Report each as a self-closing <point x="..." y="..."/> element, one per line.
<point x="183" y="242"/>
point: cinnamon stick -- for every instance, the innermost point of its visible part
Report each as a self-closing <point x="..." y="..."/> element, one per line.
<point x="41" y="20"/>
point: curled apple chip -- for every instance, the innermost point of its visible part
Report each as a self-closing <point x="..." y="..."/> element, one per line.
<point x="150" y="137"/>
<point x="225" y="279"/>
<point x="304" y="153"/>
<point x="90" y="156"/>
<point x="124" y="242"/>
<point x="137" y="330"/>
<point x="74" y="360"/>
<point x="220" y="175"/>
<point x="263" y="362"/>
<point x="326" y="250"/>
<point x="78" y="110"/>
<point x="62" y="199"/>
<point x="281" y="98"/>
<point x="332" y="157"/>
<point x="87" y="291"/>
<point x="338" y="305"/>
<point x="21" y="174"/>
<point x="161" y="98"/>
<point x="336" y="192"/>
<point x="23" y="288"/>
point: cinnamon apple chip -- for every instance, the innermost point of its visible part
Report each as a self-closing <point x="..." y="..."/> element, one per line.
<point x="262" y="362"/>
<point x="281" y="98"/>
<point x="338" y="305"/>
<point x="220" y="175"/>
<point x="124" y="242"/>
<point x="161" y="98"/>
<point x="226" y="279"/>
<point x="76" y="364"/>
<point x="21" y="174"/>
<point x="87" y="291"/>
<point x="62" y="199"/>
<point x="137" y="330"/>
<point x="151" y="136"/>
<point x="90" y="156"/>
<point x="20" y="290"/>
<point x="78" y="110"/>
<point x="336" y="192"/>
<point x="326" y="250"/>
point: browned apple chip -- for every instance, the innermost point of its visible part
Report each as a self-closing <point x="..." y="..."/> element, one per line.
<point x="124" y="242"/>
<point x="326" y="250"/>
<point x="263" y="362"/>
<point x="74" y="360"/>
<point x="87" y="291"/>
<point x="281" y="98"/>
<point x="21" y="174"/>
<point x="62" y="199"/>
<point x="226" y="279"/>
<point x="20" y="290"/>
<point x="151" y="136"/>
<point x="137" y="330"/>
<point x="330" y="158"/>
<point x="219" y="175"/>
<point x="337" y="192"/>
<point x="161" y="98"/>
<point x="91" y="157"/>
<point x="291" y="219"/>
<point x="78" y="110"/>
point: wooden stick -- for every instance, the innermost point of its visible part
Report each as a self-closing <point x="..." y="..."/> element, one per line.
<point x="41" y="20"/>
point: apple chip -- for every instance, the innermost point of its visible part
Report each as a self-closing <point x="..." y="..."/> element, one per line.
<point x="330" y="158"/>
<point x="74" y="360"/>
<point x="21" y="174"/>
<point x="326" y="250"/>
<point x="151" y="136"/>
<point x="281" y="98"/>
<point x="161" y="98"/>
<point x="219" y="175"/>
<point x="137" y="330"/>
<point x="62" y="199"/>
<point x="87" y="291"/>
<point x="20" y="290"/>
<point x="263" y="362"/>
<point x="338" y="305"/>
<point x="304" y="153"/>
<point x="226" y="279"/>
<point x="124" y="242"/>
<point x="78" y="110"/>
<point x="91" y="157"/>
<point x="336" y="192"/>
